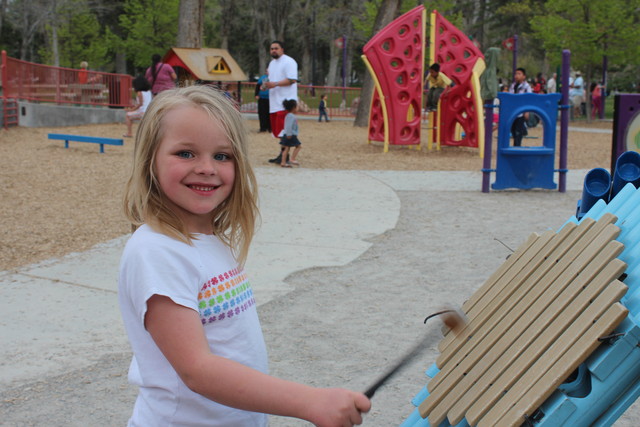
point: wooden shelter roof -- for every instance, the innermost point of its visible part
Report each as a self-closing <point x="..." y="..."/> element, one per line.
<point x="206" y="64"/>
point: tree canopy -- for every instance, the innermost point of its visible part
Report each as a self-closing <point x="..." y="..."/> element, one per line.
<point x="121" y="35"/>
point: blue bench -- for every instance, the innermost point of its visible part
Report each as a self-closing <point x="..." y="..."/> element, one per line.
<point x="81" y="138"/>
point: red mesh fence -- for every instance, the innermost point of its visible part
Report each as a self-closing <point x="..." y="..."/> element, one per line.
<point x="44" y="83"/>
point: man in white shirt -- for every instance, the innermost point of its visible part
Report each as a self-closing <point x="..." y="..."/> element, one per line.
<point x="282" y="84"/>
<point x="576" y="94"/>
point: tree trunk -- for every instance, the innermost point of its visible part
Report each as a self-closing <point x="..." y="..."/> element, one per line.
<point x="332" y="74"/>
<point x="3" y="13"/>
<point x="54" y="44"/>
<point x="386" y="14"/>
<point x="121" y="63"/>
<point x="307" y="37"/>
<point x="190" y="23"/>
<point x="586" y="86"/>
<point x="32" y="16"/>
<point x="279" y="12"/>
<point x="261" y="27"/>
<point x="480" y="37"/>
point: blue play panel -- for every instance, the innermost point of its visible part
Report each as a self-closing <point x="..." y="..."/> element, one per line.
<point x="526" y="167"/>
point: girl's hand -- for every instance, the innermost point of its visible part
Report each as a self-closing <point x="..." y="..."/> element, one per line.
<point x="336" y="407"/>
<point x="289" y="136"/>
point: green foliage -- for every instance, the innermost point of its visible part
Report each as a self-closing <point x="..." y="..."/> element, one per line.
<point x="363" y="24"/>
<point x="589" y="29"/>
<point x="97" y="30"/>
<point x="151" y="27"/>
<point x="625" y="79"/>
<point x="515" y="10"/>
<point x="446" y="8"/>
<point x="212" y="36"/>
<point x="81" y="40"/>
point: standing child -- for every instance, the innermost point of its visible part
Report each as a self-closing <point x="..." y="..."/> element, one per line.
<point x="143" y="99"/>
<point x="519" y="125"/>
<point x="322" y="108"/>
<point x="290" y="134"/>
<point x="199" y="356"/>
<point x="83" y="76"/>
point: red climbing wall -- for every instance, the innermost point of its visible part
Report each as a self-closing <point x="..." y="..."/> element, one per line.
<point x="460" y="105"/>
<point x="396" y="57"/>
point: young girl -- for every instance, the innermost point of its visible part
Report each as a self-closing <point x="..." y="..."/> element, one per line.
<point x="290" y="134"/>
<point x="187" y="304"/>
<point x="143" y="98"/>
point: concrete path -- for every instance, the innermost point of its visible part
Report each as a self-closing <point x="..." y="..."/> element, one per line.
<point x="60" y="317"/>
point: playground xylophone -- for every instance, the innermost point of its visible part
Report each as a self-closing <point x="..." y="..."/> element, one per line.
<point x="552" y="336"/>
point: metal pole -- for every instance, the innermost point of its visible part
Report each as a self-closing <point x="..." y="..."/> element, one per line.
<point x="515" y="57"/>
<point x="314" y="48"/>
<point x="603" y="91"/>
<point x="564" y="121"/>
<point x="344" y="67"/>
<point x="488" y="139"/>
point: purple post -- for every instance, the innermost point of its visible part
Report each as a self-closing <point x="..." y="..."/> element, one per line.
<point x="515" y="57"/>
<point x="564" y="121"/>
<point x="488" y="138"/>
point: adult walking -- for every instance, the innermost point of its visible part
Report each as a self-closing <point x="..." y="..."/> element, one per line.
<point x="552" y="84"/>
<point x="160" y="75"/>
<point x="576" y="94"/>
<point x="282" y="84"/>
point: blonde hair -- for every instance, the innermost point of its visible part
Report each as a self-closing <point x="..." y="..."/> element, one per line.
<point x="234" y="220"/>
<point x="84" y="64"/>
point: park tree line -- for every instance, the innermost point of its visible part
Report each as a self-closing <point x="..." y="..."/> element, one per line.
<point x="121" y="35"/>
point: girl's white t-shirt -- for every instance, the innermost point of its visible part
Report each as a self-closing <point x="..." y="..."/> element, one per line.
<point x="206" y="278"/>
<point x="146" y="100"/>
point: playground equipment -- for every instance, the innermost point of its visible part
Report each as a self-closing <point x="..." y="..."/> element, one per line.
<point x="600" y="186"/>
<point x="526" y="167"/>
<point x="626" y="126"/>
<point x="9" y="112"/>
<point x="529" y="167"/>
<point x="460" y="107"/>
<point x="82" y="138"/>
<point x="28" y="81"/>
<point x="552" y="337"/>
<point x="205" y="64"/>
<point x="395" y="57"/>
<point x="625" y="156"/>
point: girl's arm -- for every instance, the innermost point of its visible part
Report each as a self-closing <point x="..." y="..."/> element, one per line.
<point x="137" y="103"/>
<point x="172" y="73"/>
<point x="178" y="332"/>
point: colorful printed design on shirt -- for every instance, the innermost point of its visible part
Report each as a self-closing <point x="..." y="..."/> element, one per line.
<point x="225" y="296"/>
